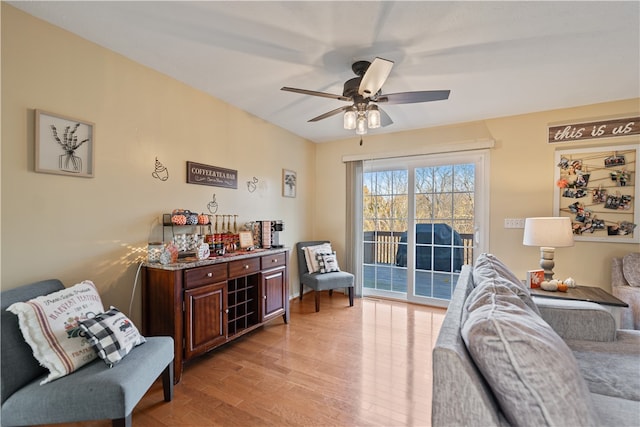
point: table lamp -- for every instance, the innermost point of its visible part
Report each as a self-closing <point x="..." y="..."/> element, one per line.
<point x="548" y="233"/>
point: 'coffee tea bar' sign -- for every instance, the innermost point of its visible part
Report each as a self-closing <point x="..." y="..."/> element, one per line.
<point x="198" y="173"/>
<point x="595" y="130"/>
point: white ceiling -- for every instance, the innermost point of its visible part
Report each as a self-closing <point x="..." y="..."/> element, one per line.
<point x="497" y="58"/>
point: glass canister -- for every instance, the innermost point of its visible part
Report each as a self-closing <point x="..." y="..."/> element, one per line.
<point x="154" y="250"/>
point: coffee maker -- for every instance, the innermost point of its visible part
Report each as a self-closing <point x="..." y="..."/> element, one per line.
<point x="270" y="233"/>
<point x="277" y="226"/>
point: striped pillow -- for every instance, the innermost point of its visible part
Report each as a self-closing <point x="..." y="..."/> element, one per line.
<point x="50" y="325"/>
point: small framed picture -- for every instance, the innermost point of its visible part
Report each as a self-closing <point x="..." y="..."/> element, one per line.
<point x="246" y="239"/>
<point x="289" y="183"/>
<point x="64" y="145"/>
<point x="535" y="278"/>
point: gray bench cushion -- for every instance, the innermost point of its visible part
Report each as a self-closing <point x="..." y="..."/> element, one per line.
<point x="93" y="392"/>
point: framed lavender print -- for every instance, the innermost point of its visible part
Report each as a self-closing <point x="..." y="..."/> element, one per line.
<point x="64" y="145"/>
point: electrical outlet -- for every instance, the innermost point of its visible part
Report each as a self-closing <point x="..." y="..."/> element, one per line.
<point x="514" y="223"/>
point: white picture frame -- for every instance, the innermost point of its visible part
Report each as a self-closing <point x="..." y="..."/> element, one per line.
<point x="64" y="145"/>
<point x="600" y="186"/>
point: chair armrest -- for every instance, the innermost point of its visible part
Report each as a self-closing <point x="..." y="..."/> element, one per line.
<point x="577" y="320"/>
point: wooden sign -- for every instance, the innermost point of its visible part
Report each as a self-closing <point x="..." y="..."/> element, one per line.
<point x="595" y="130"/>
<point x="197" y="173"/>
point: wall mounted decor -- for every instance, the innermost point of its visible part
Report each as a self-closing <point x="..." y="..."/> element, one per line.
<point x="598" y="189"/>
<point x="611" y="128"/>
<point x="160" y="171"/>
<point x="198" y="173"/>
<point x="64" y="145"/>
<point x="289" y="183"/>
<point x="213" y="205"/>
<point x="252" y="185"/>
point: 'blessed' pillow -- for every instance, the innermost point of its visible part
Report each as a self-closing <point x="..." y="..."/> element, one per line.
<point x="49" y="324"/>
<point x="112" y="334"/>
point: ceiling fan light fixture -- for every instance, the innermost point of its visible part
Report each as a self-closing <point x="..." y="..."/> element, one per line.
<point x="373" y="116"/>
<point x="361" y="125"/>
<point x="350" y="119"/>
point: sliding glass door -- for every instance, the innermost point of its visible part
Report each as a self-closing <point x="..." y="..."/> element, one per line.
<point x="422" y="220"/>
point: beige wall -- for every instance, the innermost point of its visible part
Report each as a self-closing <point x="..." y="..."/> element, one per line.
<point x="521" y="182"/>
<point x="98" y="228"/>
<point x="74" y="228"/>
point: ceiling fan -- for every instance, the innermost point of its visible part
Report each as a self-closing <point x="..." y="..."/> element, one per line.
<point x="364" y="93"/>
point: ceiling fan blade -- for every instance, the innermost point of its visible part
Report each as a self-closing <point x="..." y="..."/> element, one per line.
<point x="330" y="113"/>
<point x="316" y="93"/>
<point x="413" y="97"/>
<point x="385" y="120"/>
<point x="375" y="77"/>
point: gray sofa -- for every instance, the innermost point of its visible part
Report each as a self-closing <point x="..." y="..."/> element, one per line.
<point x="93" y="392"/>
<point x="588" y="375"/>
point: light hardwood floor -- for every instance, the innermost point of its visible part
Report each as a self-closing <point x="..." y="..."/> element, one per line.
<point x="367" y="365"/>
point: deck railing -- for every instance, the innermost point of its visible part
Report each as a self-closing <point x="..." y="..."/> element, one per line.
<point x="381" y="247"/>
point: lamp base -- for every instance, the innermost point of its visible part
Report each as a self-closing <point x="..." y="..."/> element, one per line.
<point x="546" y="261"/>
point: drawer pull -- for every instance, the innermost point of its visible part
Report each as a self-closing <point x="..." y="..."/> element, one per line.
<point x="246" y="266"/>
<point x="274" y="260"/>
<point x="264" y="297"/>
<point x="209" y="274"/>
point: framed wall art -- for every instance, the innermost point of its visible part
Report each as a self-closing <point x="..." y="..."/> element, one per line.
<point x="289" y="183"/>
<point x="64" y="145"/>
<point x="598" y="189"/>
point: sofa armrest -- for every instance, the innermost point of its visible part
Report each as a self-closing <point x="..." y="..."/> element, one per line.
<point x="617" y="275"/>
<point x="577" y="320"/>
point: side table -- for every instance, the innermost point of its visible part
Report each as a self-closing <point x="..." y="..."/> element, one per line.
<point x="588" y="294"/>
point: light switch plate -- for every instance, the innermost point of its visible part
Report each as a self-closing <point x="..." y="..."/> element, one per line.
<point x="514" y="223"/>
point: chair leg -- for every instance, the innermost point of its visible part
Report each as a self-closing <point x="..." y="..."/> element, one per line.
<point x="167" y="382"/>
<point x="301" y="291"/>
<point x="351" y="296"/>
<point x="317" y="301"/>
<point x="122" y="422"/>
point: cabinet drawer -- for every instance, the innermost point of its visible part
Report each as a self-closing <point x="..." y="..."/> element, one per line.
<point x="205" y="275"/>
<point x="244" y="267"/>
<point x="275" y="260"/>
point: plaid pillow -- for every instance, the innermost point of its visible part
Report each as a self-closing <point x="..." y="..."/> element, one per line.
<point x="327" y="262"/>
<point x="112" y="335"/>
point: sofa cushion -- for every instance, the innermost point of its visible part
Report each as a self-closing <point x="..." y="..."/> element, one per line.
<point x="112" y="335"/>
<point x="530" y="369"/>
<point x="631" y="268"/>
<point x="49" y="324"/>
<point x="611" y="368"/>
<point x="488" y="268"/>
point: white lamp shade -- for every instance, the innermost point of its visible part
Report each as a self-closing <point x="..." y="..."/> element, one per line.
<point x="554" y="232"/>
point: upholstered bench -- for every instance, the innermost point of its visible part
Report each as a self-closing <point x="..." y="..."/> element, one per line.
<point x="93" y="392"/>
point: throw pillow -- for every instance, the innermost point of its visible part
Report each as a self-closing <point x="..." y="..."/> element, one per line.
<point x="327" y="262"/>
<point x="631" y="268"/>
<point x="310" y="255"/>
<point x="49" y="324"/>
<point x="530" y="369"/>
<point x="112" y="335"/>
<point x="488" y="268"/>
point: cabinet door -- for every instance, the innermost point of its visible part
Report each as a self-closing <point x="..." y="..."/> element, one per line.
<point x="274" y="301"/>
<point x="205" y="318"/>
